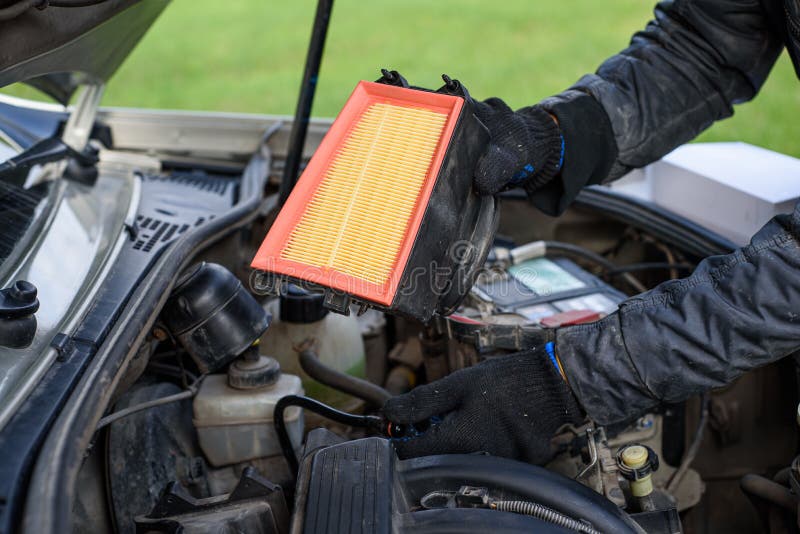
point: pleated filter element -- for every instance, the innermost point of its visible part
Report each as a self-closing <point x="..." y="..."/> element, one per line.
<point x="355" y="222"/>
<point x="351" y="223"/>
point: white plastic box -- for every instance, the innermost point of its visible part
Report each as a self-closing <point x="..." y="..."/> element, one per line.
<point x="235" y="425"/>
<point x="730" y="188"/>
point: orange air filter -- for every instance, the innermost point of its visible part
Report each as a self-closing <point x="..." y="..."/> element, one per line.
<point x="382" y="202"/>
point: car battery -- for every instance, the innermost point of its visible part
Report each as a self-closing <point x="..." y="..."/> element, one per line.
<point x="548" y="292"/>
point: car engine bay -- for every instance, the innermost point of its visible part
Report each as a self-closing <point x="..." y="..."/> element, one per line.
<point x="217" y="458"/>
<point x="232" y="409"/>
<point x="180" y="390"/>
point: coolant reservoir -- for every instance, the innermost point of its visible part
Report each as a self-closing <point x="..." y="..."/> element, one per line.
<point x="299" y="315"/>
<point x="235" y="424"/>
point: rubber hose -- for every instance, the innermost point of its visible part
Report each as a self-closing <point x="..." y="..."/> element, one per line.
<point x="361" y="421"/>
<point x="770" y="491"/>
<point x="372" y="394"/>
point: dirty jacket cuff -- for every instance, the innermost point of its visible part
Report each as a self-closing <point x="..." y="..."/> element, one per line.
<point x="600" y="371"/>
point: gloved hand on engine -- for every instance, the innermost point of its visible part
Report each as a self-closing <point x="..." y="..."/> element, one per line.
<point x="526" y="148"/>
<point x="507" y="406"/>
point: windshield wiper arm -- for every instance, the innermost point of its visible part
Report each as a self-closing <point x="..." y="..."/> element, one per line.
<point x="47" y="151"/>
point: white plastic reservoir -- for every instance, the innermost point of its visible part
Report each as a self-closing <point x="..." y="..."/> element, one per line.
<point x="236" y="425"/>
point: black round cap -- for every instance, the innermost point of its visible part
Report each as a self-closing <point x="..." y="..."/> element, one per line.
<point x="199" y="295"/>
<point x="19" y="300"/>
<point x="213" y="316"/>
<point x="245" y="373"/>
<point x="299" y="305"/>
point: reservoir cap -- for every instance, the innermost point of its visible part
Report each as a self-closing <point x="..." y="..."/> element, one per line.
<point x="300" y="305"/>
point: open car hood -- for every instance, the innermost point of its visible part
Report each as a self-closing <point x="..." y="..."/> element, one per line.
<point x="55" y="49"/>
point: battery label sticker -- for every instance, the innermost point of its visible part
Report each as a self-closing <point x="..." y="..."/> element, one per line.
<point x="595" y="302"/>
<point x="545" y="277"/>
<point x="537" y="312"/>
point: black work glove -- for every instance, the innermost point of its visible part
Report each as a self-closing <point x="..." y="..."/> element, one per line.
<point x="526" y="148"/>
<point x="507" y="406"/>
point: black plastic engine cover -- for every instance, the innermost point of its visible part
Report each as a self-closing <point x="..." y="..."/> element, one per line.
<point x="361" y="486"/>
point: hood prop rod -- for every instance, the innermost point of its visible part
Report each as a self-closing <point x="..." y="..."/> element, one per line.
<point x="307" y="89"/>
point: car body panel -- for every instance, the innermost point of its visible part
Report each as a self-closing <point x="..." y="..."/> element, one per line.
<point x="89" y="220"/>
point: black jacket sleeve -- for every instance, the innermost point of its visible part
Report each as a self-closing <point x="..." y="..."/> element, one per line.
<point x="734" y="313"/>
<point x="692" y="63"/>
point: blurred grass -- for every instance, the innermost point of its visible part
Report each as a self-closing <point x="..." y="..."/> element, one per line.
<point x="248" y="56"/>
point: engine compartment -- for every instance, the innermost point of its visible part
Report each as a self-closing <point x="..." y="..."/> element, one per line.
<point x="165" y="442"/>
<point x="182" y="466"/>
<point x="178" y="393"/>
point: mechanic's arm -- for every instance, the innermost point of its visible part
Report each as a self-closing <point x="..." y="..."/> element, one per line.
<point x="687" y="69"/>
<point x="734" y="313"/>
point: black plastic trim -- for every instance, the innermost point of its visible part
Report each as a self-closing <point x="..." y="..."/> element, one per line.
<point x="52" y="486"/>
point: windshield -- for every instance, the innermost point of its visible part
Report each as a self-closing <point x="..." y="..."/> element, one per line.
<point x="28" y="132"/>
<point x="19" y="209"/>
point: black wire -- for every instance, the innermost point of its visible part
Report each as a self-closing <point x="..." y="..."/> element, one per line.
<point x="581" y="252"/>
<point x="183" y="371"/>
<point x="173" y="371"/>
<point x="569" y="249"/>
<point x="649" y="266"/>
<point x="360" y="421"/>
<point x="657" y="221"/>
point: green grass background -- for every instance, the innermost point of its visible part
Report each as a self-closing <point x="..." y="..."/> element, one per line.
<point x="248" y="55"/>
